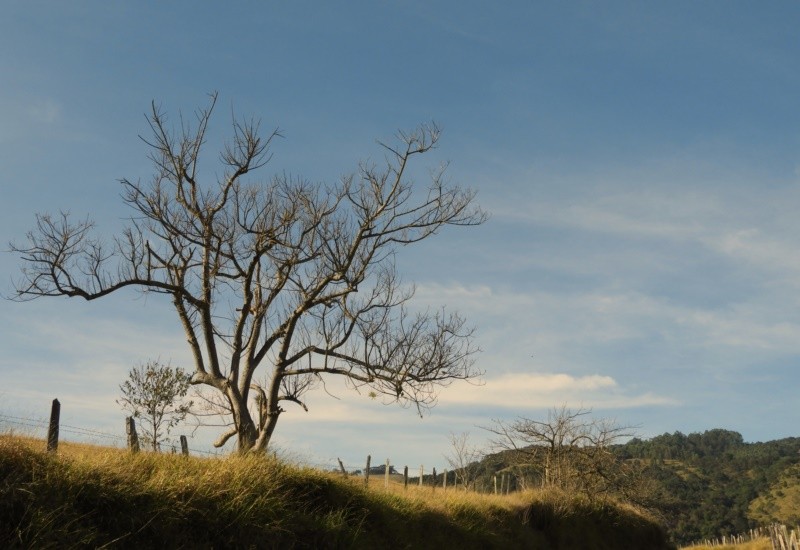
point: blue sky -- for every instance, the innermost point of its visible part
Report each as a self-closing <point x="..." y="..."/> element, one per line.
<point x="640" y="162"/>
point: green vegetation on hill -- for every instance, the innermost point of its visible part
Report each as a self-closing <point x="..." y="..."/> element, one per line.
<point x="781" y="503"/>
<point x="92" y="497"/>
<point x="701" y="485"/>
<point x="706" y="483"/>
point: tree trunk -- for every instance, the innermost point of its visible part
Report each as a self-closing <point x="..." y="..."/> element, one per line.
<point x="247" y="438"/>
<point x="266" y="433"/>
<point x="247" y="433"/>
<point x="272" y="414"/>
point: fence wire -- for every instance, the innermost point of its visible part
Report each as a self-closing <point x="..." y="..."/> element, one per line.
<point x="37" y="427"/>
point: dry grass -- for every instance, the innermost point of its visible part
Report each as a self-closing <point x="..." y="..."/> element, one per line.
<point x="759" y="544"/>
<point x="95" y="496"/>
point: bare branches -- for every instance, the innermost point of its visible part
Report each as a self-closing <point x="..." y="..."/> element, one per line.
<point x="570" y="450"/>
<point x="56" y="250"/>
<point x="63" y="259"/>
<point x="386" y="196"/>
<point x="464" y="459"/>
<point x="293" y="276"/>
<point x="405" y="359"/>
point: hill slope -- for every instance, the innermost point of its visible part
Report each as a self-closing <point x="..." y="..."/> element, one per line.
<point x="709" y="480"/>
<point x="703" y="485"/>
<point x="94" y="497"/>
<point x="781" y="502"/>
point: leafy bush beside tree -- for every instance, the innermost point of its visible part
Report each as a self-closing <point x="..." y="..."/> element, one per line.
<point x="154" y="394"/>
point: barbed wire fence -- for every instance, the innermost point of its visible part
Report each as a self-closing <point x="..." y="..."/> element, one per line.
<point x="42" y="429"/>
<point x="38" y="428"/>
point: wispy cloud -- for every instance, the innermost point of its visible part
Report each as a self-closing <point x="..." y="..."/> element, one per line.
<point x="576" y="331"/>
<point x="761" y="251"/>
<point x="525" y="391"/>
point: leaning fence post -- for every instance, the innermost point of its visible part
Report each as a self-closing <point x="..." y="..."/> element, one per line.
<point x="52" y="430"/>
<point x="133" y="439"/>
<point x="184" y="446"/>
<point x="341" y="466"/>
<point x="366" y="471"/>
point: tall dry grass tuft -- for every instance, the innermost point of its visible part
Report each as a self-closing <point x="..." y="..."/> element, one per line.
<point x="760" y="544"/>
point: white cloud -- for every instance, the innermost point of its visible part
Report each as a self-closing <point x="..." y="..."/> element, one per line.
<point x="760" y="251"/>
<point x="744" y="328"/>
<point x="523" y="391"/>
<point x="599" y="316"/>
<point x="640" y="216"/>
<point x="583" y="330"/>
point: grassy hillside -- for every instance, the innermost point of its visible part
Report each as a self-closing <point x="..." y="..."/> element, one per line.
<point x="781" y="502"/>
<point x="703" y="485"/>
<point x="713" y="483"/>
<point x="90" y="497"/>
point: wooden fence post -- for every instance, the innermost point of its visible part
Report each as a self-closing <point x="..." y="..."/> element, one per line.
<point x="386" y="475"/>
<point x="405" y="477"/>
<point x="341" y="467"/>
<point x="184" y="446"/>
<point x="421" y="471"/>
<point x="133" y="439"/>
<point x="433" y="484"/>
<point x="366" y="472"/>
<point x="52" y="430"/>
<point x="495" y="483"/>
<point x="444" y="480"/>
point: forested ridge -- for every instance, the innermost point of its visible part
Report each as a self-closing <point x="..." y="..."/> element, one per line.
<point x="707" y="482"/>
<point x="702" y="485"/>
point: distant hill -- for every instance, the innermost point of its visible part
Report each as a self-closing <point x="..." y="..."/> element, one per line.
<point x="703" y="485"/>
<point x="708" y="481"/>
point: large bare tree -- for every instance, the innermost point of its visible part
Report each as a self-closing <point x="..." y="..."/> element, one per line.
<point x="294" y="277"/>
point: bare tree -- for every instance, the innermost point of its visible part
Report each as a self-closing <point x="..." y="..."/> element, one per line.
<point x="570" y="450"/>
<point x="154" y="393"/>
<point x="296" y="277"/>
<point x="463" y="459"/>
